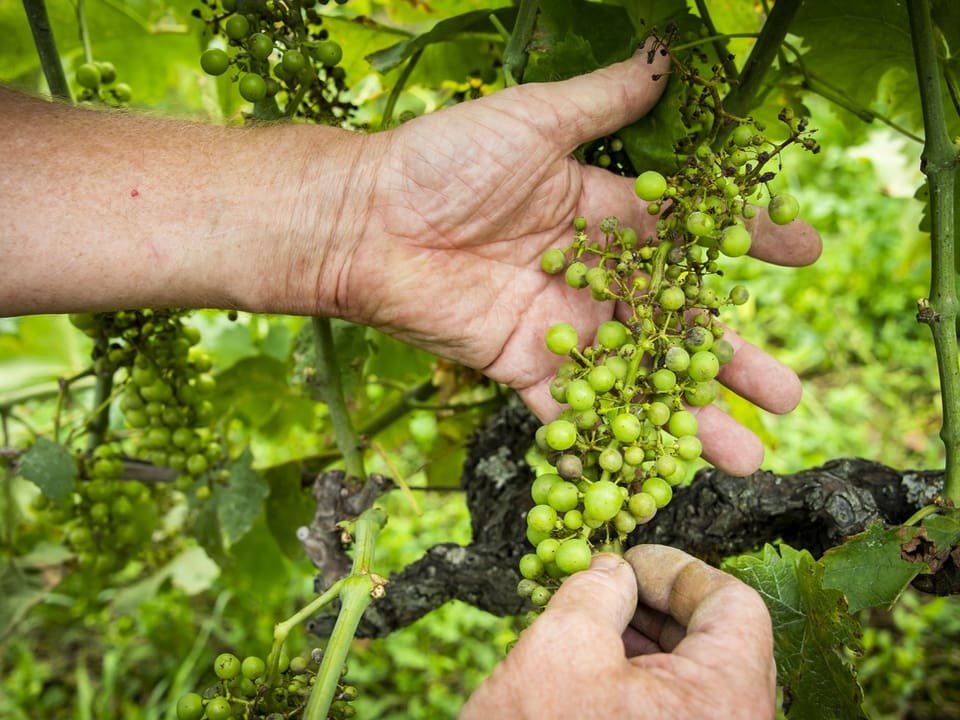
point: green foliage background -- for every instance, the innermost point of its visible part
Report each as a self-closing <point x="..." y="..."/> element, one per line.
<point x="846" y="325"/>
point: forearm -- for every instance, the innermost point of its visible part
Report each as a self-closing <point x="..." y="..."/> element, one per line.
<point x="103" y="210"/>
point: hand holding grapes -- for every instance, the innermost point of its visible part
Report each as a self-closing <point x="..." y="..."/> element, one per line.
<point x="657" y="634"/>
<point x="466" y="200"/>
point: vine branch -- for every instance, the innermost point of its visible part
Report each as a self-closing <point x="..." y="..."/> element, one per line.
<point x="330" y="390"/>
<point x="939" y="163"/>
<point x="36" y="11"/>
<point x="515" y="53"/>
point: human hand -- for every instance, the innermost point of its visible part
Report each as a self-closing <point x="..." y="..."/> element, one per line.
<point x="462" y="204"/>
<point x="658" y="634"/>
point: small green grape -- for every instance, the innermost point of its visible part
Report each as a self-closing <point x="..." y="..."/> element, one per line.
<point x="547" y="549"/>
<point x="541" y="487"/>
<point x="612" y="335"/>
<point x="700" y="224"/>
<point x="561" y="339"/>
<point x="226" y="666"/>
<point x="682" y="423"/>
<point x="237" y="27"/>
<point x="650" y="185"/>
<point x="88" y="76"/>
<point x="783" y="209"/>
<point x="689" y="447"/>
<point x="253" y="667"/>
<point x="563" y="496"/>
<point x="540" y="596"/>
<point x="602" y="500"/>
<point x="531" y="566"/>
<point x="601" y="378"/>
<point x="704" y="365"/>
<point x="735" y="241"/>
<point x="672" y="298"/>
<point x="253" y="87"/>
<point x="626" y="428"/>
<point x="659" y="489"/>
<point x="643" y="506"/>
<point x="553" y="261"/>
<point x="293" y="61"/>
<point x="576" y="275"/>
<point x="190" y="707"/>
<point x="580" y="395"/>
<point x="610" y="460"/>
<point x="219" y="709"/>
<point x="260" y="46"/>
<point x="328" y="52"/>
<point x="214" y="61"/>
<point x="561" y="434"/>
<point x="542" y="518"/>
<point x="573" y="555"/>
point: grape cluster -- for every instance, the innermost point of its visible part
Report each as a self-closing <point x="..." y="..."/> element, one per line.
<point x="626" y="435"/>
<point x="279" y="50"/>
<point x="247" y="690"/>
<point x="166" y="397"/>
<point x="97" y="81"/>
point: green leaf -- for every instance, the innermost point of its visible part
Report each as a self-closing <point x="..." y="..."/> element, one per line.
<point x="51" y="468"/>
<point x="257" y="391"/>
<point x="444" y="31"/>
<point x="288" y="507"/>
<point x="868" y="568"/>
<point x="19" y="591"/>
<point x="811" y="628"/>
<point x="240" y="500"/>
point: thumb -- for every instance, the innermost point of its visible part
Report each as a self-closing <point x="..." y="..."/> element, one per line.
<point x="600" y="599"/>
<point x="601" y="102"/>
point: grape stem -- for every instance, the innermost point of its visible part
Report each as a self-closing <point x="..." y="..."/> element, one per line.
<point x="36" y="11"/>
<point x="357" y="591"/>
<point x="940" y="163"/>
<point x="515" y="53"/>
<point x="330" y="391"/>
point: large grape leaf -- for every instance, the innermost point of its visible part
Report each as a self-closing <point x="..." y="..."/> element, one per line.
<point x="811" y="629"/>
<point x="239" y="501"/>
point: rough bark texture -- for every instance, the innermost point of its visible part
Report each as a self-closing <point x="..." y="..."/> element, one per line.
<point x="716" y="516"/>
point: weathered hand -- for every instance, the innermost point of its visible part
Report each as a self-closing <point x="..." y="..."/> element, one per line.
<point x="466" y="200"/>
<point x="657" y="634"/>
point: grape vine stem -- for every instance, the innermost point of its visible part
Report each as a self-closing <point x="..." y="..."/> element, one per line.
<point x="939" y="162"/>
<point x="36" y="11"/>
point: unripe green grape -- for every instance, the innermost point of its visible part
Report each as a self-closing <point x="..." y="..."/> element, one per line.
<point x="214" y="61"/>
<point x="561" y="435"/>
<point x="293" y="61"/>
<point x="253" y="667"/>
<point x="541" y="487"/>
<point x="252" y="87"/>
<point x="672" y="298"/>
<point x="561" y="339"/>
<point x="540" y="596"/>
<point x="260" y="46"/>
<point x="226" y="666"/>
<point x="783" y="209"/>
<point x="665" y="465"/>
<point x="676" y="359"/>
<point x="704" y="365"/>
<point x="573" y="555"/>
<point x="742" y="135"/>
<point x="328" y="52"/>
<point x="700" y="224"/>
<point x="723" y="349"/>
<point x="563" y="496"/>
<point x="573" y="519"/>
<point x="643" y="506"/>
<point x="525" y="588"/>
<point x="624" y="522"/>
<point x="601" y="378"/>
<point x="579" y="224"/>
<point x="689" y="447"/>
<point x="701" y="393"/>
<point x="197" y="464"/>
<point x="547" y="549"/>
<point x="580" y="396"/>
<point x="659" y="489"/>
<point x="678" y="475"/>
<point x="658" y="413"/>
<point x="599" y="281"/>
<point x="739" y="295"/>
<point x="682" y="423"/>
<point x="735" y="240"/>
<point x="650" y="185"/>
<point x="602" y="500"/>
<point x="558" y="389"/>
<point x="587" y="419"/>
<point x="626" y="428"/>
<point x="663" y="380"/>
<point x="108" y="73"/>
<point x="219" y="709"/>
<point x="553" y="261"/>
<point x="237" y="27"/>
<point x="634" y="455"/>
<point x="542" y="518"/>
<point x="88" y="76"/>
<point x="612" y="334"/>
<point x="190" y="707"/>
<point x="617" y="365"/>
<point x="611" y="460"/>
<point x="576" y="275"/>
<point x="535" y="537"/>
<point x="531" y="566"/>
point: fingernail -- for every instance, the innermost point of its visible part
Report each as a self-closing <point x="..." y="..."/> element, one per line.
<point x="605" y="561"/>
